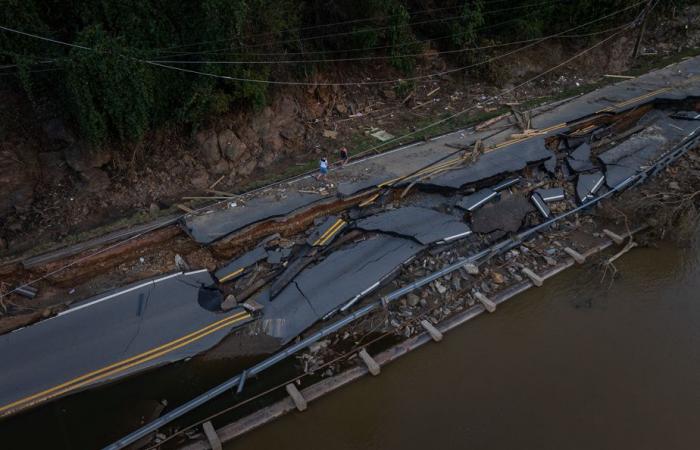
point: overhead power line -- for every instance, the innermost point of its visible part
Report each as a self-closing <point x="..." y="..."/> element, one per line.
<point x="356" y="83"/>
<point x="335" y="24"/>
<point x="306" y="174"/>
<point x="366" y="30"/>
<point x="381" y="57"/>
<point x="347" y="50"/>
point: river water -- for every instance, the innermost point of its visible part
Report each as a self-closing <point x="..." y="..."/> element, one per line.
<point x="577" y="364"/>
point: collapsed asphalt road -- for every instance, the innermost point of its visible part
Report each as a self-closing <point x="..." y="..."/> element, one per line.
<point x="111" y="336"/>
<point x="284" y="285"/>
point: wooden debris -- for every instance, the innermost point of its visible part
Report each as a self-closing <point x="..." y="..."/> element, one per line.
<point x="212" y="197"/>
<point x="490" y="122"/>
<point x="214" y="191"/>
<point x="526" y="134"/>
<point x="185" y="208"/>
<point x="626" y="77"/>
<point x="213" y="185"/>
<point x="433" y="91"/>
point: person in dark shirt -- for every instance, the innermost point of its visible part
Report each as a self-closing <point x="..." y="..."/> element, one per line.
<point x="344" y="156"/>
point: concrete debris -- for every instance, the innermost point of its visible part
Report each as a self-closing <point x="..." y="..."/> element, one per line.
<point x="471" y="269"/>
<point x="381" y="135"/>
<point x="512" y="158"/>
<point x="422" y="224"/>
<point x="236" y="268"/>
<point x="181" y="264"/>
<point x="276" y="256"/>
<point x="229" y="303"/>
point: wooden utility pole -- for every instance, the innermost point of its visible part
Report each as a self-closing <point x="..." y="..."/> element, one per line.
<point x="642" y="27"/>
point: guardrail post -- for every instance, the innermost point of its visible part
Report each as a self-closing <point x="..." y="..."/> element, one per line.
<point x="211" y="435"/>
<point x="579" y="258"/>
<point x="371" y="364"/>
<point x="297" y="398"/>
<point x="536" y="279"/>
<point x="488" y="304"/>
<point x="434" y="332"/>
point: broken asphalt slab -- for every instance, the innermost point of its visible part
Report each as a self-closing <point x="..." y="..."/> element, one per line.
<point x="325" y="287"/>
<point x="215" y="224"/>
<point x="235" y="268"/>
<point x="425" y="225"/>
<point x="111" y="336"/>
<point x="506" y="160"/>
<point x="579" y="160"/>
<point x="627" y="158"/>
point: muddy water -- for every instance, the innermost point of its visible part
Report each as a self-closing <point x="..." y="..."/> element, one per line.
<point x="574" y="365"/>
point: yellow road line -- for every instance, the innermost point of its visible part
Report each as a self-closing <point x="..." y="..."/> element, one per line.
<point x="231" y="275"/>
<point x="127" y="363"/>
<point x="329" y="232"/>
<point x="450" y="162"/>
<point x="369" y="200"/>
<point x="635" y="99"/>
<point x="335" y="231"/>
<point x="325" y="233"/>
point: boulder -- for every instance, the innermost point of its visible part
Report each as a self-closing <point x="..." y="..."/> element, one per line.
<point x="81" y="156"/>
<point x="247" y="167"/>
<point x="231" y="146"/>
<point x="220" y="168"/>
<point x="97" y="179"/>
<point x="52" y="166"/>
<point x="208" y="147"/>
<point x="200" y="179"/>
<point x="56" y="131"/>
<point x="16" y="184"/>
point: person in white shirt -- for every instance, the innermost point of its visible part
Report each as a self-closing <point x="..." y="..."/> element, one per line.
<point x="322" y="169"/>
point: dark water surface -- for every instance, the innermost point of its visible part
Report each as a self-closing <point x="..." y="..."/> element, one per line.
<point x="575" y="364"/>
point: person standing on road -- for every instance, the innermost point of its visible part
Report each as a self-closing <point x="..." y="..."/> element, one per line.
<point x="344" y="156"/>
<point x="322" y="169"/>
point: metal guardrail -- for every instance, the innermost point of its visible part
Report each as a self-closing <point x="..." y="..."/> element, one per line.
<point x="692" y="140"/>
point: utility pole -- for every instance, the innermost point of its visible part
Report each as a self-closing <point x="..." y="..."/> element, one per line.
<point x="642" y="27"/>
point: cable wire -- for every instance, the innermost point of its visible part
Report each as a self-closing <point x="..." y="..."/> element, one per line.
<point x="345" y="33"/>
<point x="303" y="175"/>
<point x="383" y="57"/>
<point x="313" y="27"/>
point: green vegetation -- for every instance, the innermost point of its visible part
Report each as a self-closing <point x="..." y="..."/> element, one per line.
<point x="109" y="92"/>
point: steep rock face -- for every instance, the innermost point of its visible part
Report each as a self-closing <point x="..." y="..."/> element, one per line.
<point x="207" y="145"/>
<point x="16" y="183"/>
<point x="231" y="145"/>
